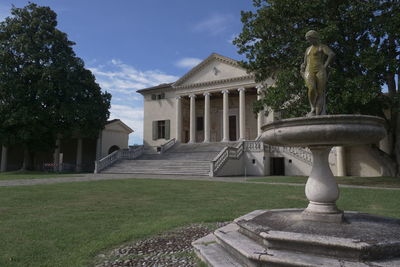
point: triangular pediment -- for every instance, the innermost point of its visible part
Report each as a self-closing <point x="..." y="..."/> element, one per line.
<point x="118" y="126"/>
<point x="212" y="69"/>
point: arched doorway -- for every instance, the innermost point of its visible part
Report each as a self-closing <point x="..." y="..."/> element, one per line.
<point x="112" y="149"/>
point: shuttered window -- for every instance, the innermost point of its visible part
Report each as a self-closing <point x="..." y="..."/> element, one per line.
<point x="161" y="129"/>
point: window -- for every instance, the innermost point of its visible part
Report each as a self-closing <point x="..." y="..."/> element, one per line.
<point x="158" y="96"/>
<point x="199" y="123"/>
<point x="161" y="96"/>
<point x="161" y="129"/>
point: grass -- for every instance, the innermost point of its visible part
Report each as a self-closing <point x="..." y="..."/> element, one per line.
<point x="15" y="175"/>
<point x="392" y="182"/>
<point x="69" y="224"/>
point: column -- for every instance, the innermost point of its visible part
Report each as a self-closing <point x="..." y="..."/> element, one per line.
<point x="340" y="161"/>
<point x="99" y="145"/>
<point x="242" y="114"/>
<point x="57" y="156"/>
<point x="206" y="117"/>
<point x="78" y="167"/>
<point x="3" y="159"/>
<point x="179" y="119"/>
<point x="260" y="115"/>
<point x="225" y="117"/>
<point x="192" y="118"/>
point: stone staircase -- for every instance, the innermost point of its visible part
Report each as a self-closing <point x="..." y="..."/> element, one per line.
<point x="180" y="159"/>
<point x="249" y="242"/>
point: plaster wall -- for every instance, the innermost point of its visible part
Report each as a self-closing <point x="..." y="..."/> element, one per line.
<point x="254" y="164"/>
<point x="154" y="110"/>
<point x="216" y="70"/>
<point x="111" y="138"/>
<point x="359" y="162"/>
<point x="233" y="167"/>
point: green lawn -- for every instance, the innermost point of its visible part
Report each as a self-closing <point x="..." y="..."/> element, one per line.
<point x="34" y="175"/>
<point x="347" y="180"/>
<point x="68" y="224"/>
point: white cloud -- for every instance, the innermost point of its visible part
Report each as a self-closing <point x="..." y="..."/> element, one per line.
<point x="116" y="76"/>
<point x="233" y="37"/>
<point x="188" y="62"/>
<point x="214" y="24"/>
<point x="131" y="116"/>
<point x="122" y="81"/>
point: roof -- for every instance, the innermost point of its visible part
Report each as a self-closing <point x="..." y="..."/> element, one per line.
<point x="126" y="127"/>
<point x="199" y="66"/>
<point x="204" y="63"/>
<point x="160" y="86"/>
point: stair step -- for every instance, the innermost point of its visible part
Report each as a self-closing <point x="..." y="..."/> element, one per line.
<point x="213" y="253"/>
<point x="253" y="254"/>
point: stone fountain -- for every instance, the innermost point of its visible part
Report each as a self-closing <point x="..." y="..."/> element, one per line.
<point x="321" y="234"/>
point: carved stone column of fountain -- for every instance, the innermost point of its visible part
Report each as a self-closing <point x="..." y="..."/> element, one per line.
<point x="320" y="134"/>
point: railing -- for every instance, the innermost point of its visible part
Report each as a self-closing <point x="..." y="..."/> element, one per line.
<point x="303" y="154"/>
<point x="223" y="156"/>
<point x="110" y="159"/>
<point x="253" y="146"/>
<point x="168" y="145"/>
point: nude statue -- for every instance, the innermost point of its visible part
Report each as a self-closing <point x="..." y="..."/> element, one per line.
<point x="314" y="72"/>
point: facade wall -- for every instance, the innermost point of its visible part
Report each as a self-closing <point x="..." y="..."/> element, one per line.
<point x="165" y="109"/>
<point x="360" y="162"/>
<point x="154" y="110"/>
<point x="113" y="138"/>
<point x="254" y="163"/>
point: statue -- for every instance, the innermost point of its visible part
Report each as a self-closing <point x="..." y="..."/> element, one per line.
<point x="314" y="72"/>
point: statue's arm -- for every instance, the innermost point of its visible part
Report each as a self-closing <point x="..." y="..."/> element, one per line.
<point x="327" y="51"/>
<point x="304" y="64"/>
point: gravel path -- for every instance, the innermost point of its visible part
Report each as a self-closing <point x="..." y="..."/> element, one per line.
<point x="172" y="248"/>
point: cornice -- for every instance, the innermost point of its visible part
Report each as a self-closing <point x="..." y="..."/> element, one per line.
<point x="200" y="66"/>
<point x="216" y="82"/>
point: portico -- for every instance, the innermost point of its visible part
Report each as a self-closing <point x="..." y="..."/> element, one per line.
<point x="225" y="108"/>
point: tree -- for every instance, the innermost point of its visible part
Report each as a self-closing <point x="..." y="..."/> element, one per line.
<point x="45" y="90"/>
<point x="363" y="34"/>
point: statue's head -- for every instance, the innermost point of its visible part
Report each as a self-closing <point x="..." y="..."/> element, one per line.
<point x="312" y="36"/>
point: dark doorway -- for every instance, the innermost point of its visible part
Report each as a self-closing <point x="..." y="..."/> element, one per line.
<point x="112" y="149"/>
<point x="186" y="137"/>
<point x="232" y="128"/>
<point x="277" y="166"/>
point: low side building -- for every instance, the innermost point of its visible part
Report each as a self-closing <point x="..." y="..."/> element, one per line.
<point x="72" y="154"/>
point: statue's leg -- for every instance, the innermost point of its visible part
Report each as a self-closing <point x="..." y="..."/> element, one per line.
<point x="320" y="106"/>
<point x="311" y="82"/>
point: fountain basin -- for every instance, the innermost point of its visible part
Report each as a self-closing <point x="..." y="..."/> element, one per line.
<point x="327" y="130"/>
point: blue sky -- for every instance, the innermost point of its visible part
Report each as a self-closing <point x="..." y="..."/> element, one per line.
<point x="134" y="44"/>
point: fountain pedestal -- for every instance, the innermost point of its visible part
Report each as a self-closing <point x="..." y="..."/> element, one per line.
<point x="321" y="234"/>
<point x="320" y="134"/>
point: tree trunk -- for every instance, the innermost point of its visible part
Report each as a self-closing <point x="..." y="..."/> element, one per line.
<point x="26" y="165"/>
<point x="396" y="142"/>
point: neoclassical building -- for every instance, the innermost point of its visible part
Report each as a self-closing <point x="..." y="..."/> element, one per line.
<point x="211" y="103"/>
<point x="203" y="124"/>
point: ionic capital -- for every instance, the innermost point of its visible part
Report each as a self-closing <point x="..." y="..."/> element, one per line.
<point x="241" y="89"/>
<point x="192" y="96"/>
<point x="225" y="91"/>
<point x="207" y="94"/>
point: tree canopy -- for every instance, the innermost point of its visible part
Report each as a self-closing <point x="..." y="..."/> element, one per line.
<point x="45" y="90"/>
<point x="363" y="34"/>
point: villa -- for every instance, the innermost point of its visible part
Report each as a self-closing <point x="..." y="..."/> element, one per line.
<point x="203" y="124"/>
